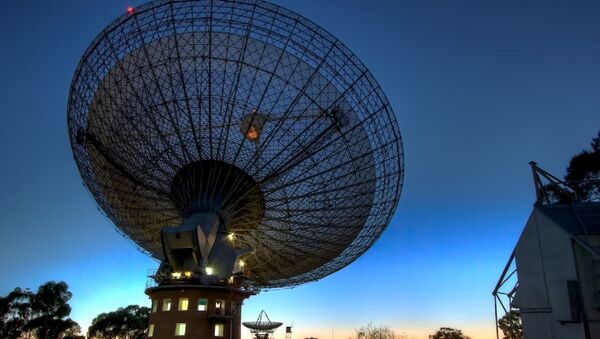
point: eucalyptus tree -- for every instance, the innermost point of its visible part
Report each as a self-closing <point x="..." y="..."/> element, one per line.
<point x="125" y="323"/>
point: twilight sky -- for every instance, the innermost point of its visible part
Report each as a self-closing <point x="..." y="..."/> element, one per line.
<point x="479" y="89"/>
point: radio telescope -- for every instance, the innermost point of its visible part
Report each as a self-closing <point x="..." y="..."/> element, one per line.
<point x="239" y="144"/>
<point x="262" y="328"/>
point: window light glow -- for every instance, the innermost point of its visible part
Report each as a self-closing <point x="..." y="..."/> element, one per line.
<point x="180" y="329"/>
<point x="188" y="274"/>
<point x="219" y="330"/>
<point x="209" y="270"/>
<point x="202" y="304"/>
<point x="183" y="304"/>
<point x="176" y="275"/>
<point x="166" y="305"/>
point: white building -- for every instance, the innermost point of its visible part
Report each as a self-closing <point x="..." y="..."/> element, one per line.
<point x="557" y="262"/>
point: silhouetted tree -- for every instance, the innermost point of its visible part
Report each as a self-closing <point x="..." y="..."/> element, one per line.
<point x="50" y="311"/>
<point x="125" y="323"/>
<point x="375" y="332"/>
<point x="43" y="314"/>
<point x="511" y="326"/>
<point x="584" y="172"/>
<point x="449" y="333"/>
<point x="583" y="177"/>
<point x="15" y="311"/>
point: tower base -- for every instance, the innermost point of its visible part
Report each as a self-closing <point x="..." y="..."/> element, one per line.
<point x="195" y="311"/>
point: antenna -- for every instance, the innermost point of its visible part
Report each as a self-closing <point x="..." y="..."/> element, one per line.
<point x="262" y="328"/>
<point x="243" y="152"/>
<point x="553" y="190"/>
<point x="315" y="146"/>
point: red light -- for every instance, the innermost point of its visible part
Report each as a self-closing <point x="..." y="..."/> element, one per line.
<point x="130" y="10"/>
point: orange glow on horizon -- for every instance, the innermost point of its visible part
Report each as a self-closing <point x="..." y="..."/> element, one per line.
<point x="482" y="331"/>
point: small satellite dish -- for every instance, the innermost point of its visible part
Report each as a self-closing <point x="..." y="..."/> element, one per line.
<point x="263" y="327"/>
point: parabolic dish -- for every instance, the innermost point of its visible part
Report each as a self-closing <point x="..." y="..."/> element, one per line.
<point x="251" y="87"/>
<point x="262" y="326"/>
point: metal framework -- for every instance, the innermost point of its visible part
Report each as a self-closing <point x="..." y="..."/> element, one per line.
<point x="262" y="328"/>
<point x="549" y="189"/>
<point x="504" y="292"/>
<point x="254" y="86"/>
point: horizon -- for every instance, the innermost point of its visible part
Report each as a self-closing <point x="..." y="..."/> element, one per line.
<point x="478" y="89"/>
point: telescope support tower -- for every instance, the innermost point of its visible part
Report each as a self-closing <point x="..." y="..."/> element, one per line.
<point x="195" y="311"/>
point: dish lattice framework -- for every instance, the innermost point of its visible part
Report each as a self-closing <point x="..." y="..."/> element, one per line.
<point x="262" y="325"/>
<point x="180" y="81"/>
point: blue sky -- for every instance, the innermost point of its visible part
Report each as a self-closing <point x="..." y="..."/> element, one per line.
<point x="479" y="89"/>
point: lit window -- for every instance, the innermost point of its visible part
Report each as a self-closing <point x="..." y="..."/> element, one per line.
<point x="154" y="305"/>
<point x="183" y="304"/>
<point x="201" y="304"/>
<point x="166" y="304"/>
<point x="219" y="330"/>
<point x="151" y="330"/>
<point x="220" y="306"/>
<point x="180" y="329"/>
